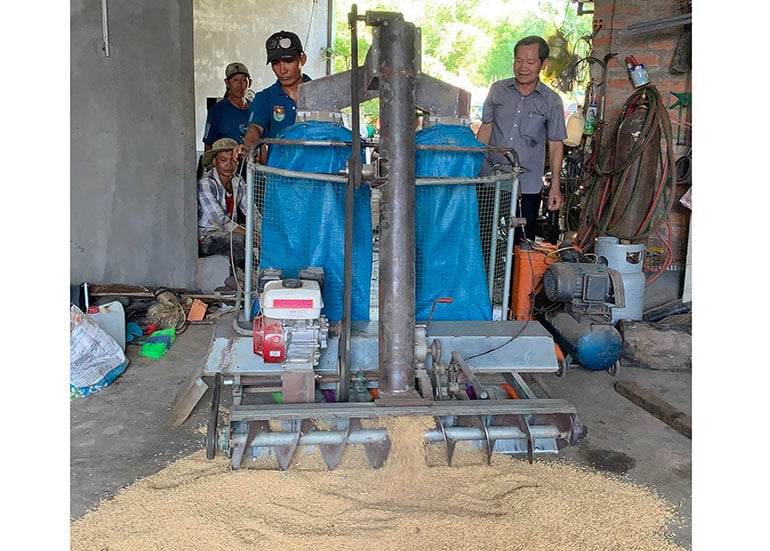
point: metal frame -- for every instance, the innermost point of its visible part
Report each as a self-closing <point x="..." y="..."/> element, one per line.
<point x="395" y="348"/>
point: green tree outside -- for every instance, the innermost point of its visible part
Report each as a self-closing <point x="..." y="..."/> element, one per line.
<point x="469" y="43"/>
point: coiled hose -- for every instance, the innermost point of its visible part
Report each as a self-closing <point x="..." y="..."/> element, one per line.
<point x="612" y="175"/>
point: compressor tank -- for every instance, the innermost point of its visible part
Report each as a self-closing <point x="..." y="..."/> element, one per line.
<point x="583" y="328"/>
<point x="595" y="347"/>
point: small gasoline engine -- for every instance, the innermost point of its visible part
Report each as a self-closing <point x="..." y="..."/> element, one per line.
<point x="290" y="329"/>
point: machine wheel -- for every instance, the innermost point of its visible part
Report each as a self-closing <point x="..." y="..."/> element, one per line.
<point x="563" y="366"/>
<point x="614" y="368"/>
<point x="343" y="392"/>
<point x="211" y="432"/>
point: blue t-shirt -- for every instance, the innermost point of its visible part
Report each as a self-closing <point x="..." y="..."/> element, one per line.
<point x="273" y="109"/>
<point x="225" y="120"/>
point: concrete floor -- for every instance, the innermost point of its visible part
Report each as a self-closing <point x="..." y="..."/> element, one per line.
<point x="121" y="433"/>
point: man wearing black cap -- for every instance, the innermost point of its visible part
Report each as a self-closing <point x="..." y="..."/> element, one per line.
<point x="275" y="107"/>
<point x="229" y="117"/>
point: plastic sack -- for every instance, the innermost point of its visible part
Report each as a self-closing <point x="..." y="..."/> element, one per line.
<point x="96" y="359"/>
<point x="303" y="221"/>
<point x="448" y="257"/>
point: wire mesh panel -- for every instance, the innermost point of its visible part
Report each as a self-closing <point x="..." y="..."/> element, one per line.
<point x="448" y="256"/>
<point x="303" y="225"/>
<point x="460" y="224"/>
<point x="494" y="204"/>
<point x="425" y="266"/>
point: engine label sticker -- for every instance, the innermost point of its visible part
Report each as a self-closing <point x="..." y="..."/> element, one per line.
<point x="292" y="303"/>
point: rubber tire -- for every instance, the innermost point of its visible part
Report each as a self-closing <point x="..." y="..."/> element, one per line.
<point x="563" y="367"/>
<point x="211" y="431"/>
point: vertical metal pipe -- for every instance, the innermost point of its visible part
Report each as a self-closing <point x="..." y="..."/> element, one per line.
<point x="353" y="182"/>
<point x="506" y="309"/>
<point x="105" y="30"/>
<point x="248" y="284"/>
<point x="397" y="218"/>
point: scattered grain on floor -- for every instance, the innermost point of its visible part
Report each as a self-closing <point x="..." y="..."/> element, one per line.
<point x="200" y="504"/>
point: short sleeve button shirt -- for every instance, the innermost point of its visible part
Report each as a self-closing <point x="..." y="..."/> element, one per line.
<point x="525" y="124"/>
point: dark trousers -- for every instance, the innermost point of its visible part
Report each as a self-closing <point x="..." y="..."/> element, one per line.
<point x="219" y="243"/>
<point x="529" y="209"/>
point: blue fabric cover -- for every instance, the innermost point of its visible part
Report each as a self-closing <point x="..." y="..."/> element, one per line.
<point x="448" y="255"/>
<point x="310" y="230"/>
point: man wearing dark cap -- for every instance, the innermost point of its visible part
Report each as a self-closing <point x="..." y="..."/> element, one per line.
<point x="229" y="117"/>
<point x="275" y="107"/>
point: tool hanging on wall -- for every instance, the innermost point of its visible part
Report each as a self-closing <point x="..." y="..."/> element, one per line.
<point x="681" y="62"/>
<point x="683" y="101"/>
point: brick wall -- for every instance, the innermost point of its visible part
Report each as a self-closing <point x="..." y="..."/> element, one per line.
<point x="656" y="51"/>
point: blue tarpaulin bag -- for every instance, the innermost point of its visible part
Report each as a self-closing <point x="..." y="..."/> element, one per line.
<point x="303" y="222"/>
<point x="448" y="257"/>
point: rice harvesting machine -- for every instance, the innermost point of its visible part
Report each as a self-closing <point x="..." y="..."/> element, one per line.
<point x="300" y="381"/>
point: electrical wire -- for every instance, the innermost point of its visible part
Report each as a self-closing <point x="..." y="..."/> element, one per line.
<point x="239" y="289"/>
<point x="310" y="23"/>
<point x="526" y="322"/>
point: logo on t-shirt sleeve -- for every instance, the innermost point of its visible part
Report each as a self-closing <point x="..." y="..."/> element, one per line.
<point x="279" y="113"/>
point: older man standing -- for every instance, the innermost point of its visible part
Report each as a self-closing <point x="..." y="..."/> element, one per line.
<point x="221" y="199"/>
<point x="524" y="114"/>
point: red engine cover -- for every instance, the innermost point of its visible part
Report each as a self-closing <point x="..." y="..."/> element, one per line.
<point x="269" y="339"/>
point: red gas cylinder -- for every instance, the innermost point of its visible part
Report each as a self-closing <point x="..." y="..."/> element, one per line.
<point x="634" y="187"/>
<point x="269" y="339"/>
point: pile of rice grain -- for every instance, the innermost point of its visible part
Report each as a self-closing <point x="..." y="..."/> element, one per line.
<point x="200" y="504"/>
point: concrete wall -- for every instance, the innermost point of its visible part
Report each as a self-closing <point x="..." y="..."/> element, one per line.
<point x="236" y="30"/>
<point x="137" y="121"/>
<point x="132" y="190"/>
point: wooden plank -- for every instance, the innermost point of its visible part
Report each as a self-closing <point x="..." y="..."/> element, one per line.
<point x="664" y="411"/>
<point x="142" y="294"/>
<point x="187" y="398"/>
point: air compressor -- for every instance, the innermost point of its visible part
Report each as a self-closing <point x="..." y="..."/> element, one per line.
<point x="574" y="300"/>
